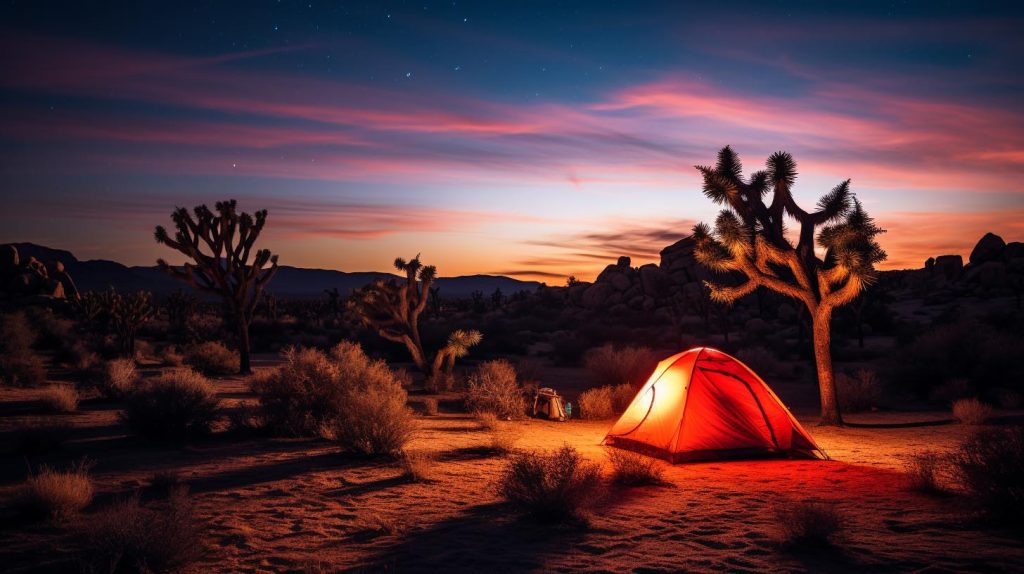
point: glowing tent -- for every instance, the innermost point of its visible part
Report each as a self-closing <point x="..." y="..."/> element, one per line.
<point x="703" y="404"/>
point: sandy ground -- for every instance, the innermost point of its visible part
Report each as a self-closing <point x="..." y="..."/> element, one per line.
<point x="294" y="505"/>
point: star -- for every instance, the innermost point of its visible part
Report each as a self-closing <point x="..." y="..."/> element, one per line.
<point x="408" y="74"/>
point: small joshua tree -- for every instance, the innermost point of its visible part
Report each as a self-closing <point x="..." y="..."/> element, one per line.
<point x="749" y="240"/>
<point x="220" y="246"/>
<point x="393" y="308"/>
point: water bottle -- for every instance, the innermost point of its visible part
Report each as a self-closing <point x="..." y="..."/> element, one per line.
<point x="568" y="410"/>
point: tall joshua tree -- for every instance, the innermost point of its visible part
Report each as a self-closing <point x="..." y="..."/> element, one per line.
<point x="220" y="246"/>
<point x="749" y="241"/>
<point x="393" y="308"/>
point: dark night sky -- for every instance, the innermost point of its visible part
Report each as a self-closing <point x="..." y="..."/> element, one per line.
<point x="527" y="138"/>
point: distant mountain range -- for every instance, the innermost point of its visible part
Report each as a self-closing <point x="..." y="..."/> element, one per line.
<point x="100" y="274"/>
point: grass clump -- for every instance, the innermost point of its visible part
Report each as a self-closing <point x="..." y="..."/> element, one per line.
<point x="990" y="466"/>
<point x="605" y="402"/>
<point x="809" y="525"/>
<point x="971" y="411"/>
<point x="634" y="469"/>
<point x="923" y="472"/>
<point x="59" y="399"/>
<point x="858" y="392"/>
<point x="557" y="486"/>
<point x="211" y="358"/>
<point x="59" y="494"/>
<point x="610" y="366"/>
<point x="494" y="388"/>
<point x="128" y="537"/>
<point x="416" y="465"/>
<point x="175" y="406"/>
<point x="120" y="379"/>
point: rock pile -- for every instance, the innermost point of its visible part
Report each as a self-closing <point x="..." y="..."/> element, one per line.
<point x="25" y="281"/>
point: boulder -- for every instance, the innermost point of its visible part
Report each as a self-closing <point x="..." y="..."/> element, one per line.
<point x="1014" y="250"/>
<point x="597" y="295"/>
<point x="948" y="266"/>
<point x="679" y="255"/>
<point x="654" y="281"/>
<point x="989" y="248"/>
<point x="620" y="281"/>
<point x="990" y="274"/>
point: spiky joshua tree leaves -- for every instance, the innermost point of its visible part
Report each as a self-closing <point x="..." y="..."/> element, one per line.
<point x="749" y="240"/>
<point x="223" y="262"/>
<point x="393" y="308"/>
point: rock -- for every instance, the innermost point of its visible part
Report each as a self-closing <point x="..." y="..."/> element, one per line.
<point x="624" y="261"/>
<point x="949" y="266"/>
<point x="9" y="260"/>
<point x="989" y="248"/>
<point x="620" y="281"/>
<point x="1014" y="250"/>
<point x="990" y="274"/>
<point x="597" y="295"/>
<point x="654" y="281"/>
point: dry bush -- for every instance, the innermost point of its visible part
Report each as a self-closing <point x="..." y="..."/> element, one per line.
<point x="858" y="392"/>
<point x="551" y="487"/>
<point x="246" y="419"/>
<point x="430" y="407"/>
<point x="596" y="404"/>
<point x="634" y="469"/>
<point x="809" y="525"/>
<point x="120" y="379"/>
<point x="39" y="436"/>
<point x="971" y="411"/>
<point x="607" y="365"/>
<point x="211" y="358"/>
<point x="923" y="472"/>
<point x="487" y="421"/>
<point x="760" y="360"/>
<point x="375" y="419"/>
<point x="20" y="366"/>
<point x="951" y="390"/>
<point x="1008" y="399"/>
<point x="176" y="405"/>
<point x="127" y="537"/>
<point x="503" y="438"/>
<point x="302" y="395"/>
<point x="416" y="465"/>
<point x="990" y="466"/>
<point x="493" y="388"/>
<point x="59" y="494"/>
<point x="622" y="395"/>
<point x="59" y="399"/>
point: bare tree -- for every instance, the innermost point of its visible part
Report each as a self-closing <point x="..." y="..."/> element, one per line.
<point x="749" y="239"/>
<point x="220" y="247"/>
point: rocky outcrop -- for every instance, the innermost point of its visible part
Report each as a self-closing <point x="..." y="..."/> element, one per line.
<point x="31" y="280"/>
<point x="948" y="266"/>
<point x="989" y="248"/>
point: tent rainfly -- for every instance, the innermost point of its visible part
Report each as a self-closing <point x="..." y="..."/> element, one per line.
<point x="703" y="404"/>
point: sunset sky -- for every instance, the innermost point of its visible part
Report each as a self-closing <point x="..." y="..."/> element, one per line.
<point x="533" y="139"/>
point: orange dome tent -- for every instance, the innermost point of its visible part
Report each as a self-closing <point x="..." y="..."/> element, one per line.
<point x="703" y="404"/>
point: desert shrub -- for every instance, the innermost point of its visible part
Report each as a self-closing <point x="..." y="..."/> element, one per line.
<point x="127" y="537"/>
<point x="971" y="411"/>
<point x="760" y="360"/>
<point x="633" y="469"/>
<point x="20" y="366"/>
<point x="990" y="466"/>
<point x="923" y="472"/>
<point x="951" y="390"/>
<point x="430" y="406"/>
<point x="211" y="358"/>
<point x="40" y="437"/>
<point x="416" y="465"/>
<point x="487" y="420"/>
<point x="493" y="388"/>
<point x="503" y="438"/>
<point x="551" y="487"/>
<point x="607" y="365"/>
<point x="176" y="405"/>
<point x="596" y="404"/>
<point x="245" y="419"/>
<point x="172" y="357"/>
<point x="808" y="525"/>
<point x="345" y="396"/>
<point x="120" y="379"/>
<point x="858" y="392"/>
<point x="302" y="395"/>
<point x="59" y="493"/>
<point x="59" y="399"/>
<point x="375" y="419"/>
<point x="621" y="396"/>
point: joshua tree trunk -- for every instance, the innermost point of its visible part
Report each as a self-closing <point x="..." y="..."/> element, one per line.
<point x="244" y="347"/>
<point x="822" y="319"/>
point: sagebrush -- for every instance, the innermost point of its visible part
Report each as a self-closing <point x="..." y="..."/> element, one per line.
<point x="176" y="405"/>
<point x="554" y="486"/>
<point x="494" y="388"/>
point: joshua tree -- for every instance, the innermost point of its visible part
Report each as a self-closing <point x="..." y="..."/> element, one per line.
<point x="394" y="309"/>
<point x="749" y="240"/>
<point x="119" y="314"/>
<point x="220" y="246"/>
